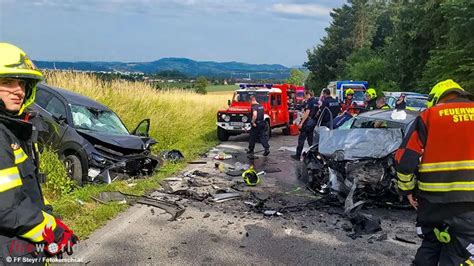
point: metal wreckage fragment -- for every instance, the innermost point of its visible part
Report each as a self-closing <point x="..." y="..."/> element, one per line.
<point x="170" y="207"/>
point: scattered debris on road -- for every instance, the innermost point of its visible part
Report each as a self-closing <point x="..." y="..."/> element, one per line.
<point x="173" y="156"/>
<point x="226" y="196"/>
<point x="170" y="207"/>
<point x="223" y="156"/>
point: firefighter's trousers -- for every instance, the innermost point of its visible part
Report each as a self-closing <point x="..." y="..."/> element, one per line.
<point x="459" y="250"/>
<point x="258" y="132"/>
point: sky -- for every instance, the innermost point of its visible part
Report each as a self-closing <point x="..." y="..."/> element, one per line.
<point x="257" y="32"/>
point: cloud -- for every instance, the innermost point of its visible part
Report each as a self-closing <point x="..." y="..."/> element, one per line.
<point x="162" y="7"/>
<point x="307" y="10"/>
<point x="294" y="9"/>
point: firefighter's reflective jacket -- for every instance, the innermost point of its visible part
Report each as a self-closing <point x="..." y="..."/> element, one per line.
<point x="442" y="137"/>
<point x="22" y="209"/>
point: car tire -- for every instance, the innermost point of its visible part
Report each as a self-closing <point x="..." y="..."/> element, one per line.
<point x="74" y="168"/>
<point x="268" y="129"/>
<point x="222" y="134"/>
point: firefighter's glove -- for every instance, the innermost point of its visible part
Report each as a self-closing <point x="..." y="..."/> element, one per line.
<point x="62" y="240"/>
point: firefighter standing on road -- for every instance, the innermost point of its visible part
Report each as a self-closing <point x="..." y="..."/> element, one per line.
<point x="258" y="127"/>
<point x="24" y="219"/>
<point x="371" y="95"/>
<point x="443" y="193"/>
<point x="307" y="123"/>
<point x="348" y="105"/>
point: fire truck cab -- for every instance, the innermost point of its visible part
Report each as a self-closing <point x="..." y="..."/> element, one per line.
<point x="278" y="101"/>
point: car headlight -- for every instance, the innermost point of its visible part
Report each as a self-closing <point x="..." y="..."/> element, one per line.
<point x="223" y="116"/>
<point x="227" y="118"/>
<point x="98" y="158"/>
<point x="245" y="119"/>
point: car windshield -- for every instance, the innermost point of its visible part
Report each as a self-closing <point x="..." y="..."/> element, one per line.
<point x="359" y="96"/>
<point x="364" y="122"/>
<point x="414" y="102"/>
<point x="300" y="94"/>
<point x="97" y="120"/>
<point x="244" y="96"/>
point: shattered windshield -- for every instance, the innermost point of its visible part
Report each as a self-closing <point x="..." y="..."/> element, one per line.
<point x="97" y="120"/>
<point x="244" y="96"/>
<point x="363" y="122"/>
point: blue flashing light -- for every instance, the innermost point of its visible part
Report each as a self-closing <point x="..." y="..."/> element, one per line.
<point x="243" y="86"/>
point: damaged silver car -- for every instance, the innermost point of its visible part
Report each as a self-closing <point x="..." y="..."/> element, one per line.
<point x="355" y="162"/>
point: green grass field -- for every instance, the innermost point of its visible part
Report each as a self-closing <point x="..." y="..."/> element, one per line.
<point x="215" y="88"/>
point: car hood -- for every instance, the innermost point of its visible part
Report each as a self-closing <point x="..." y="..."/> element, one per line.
<point x="359" y="143"/>
<point x="239" y="109"/>
<point x="117" y="142"/>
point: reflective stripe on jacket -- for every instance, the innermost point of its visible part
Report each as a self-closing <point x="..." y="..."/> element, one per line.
<point x="442" y="137"/>
<point x="22" y="214"/>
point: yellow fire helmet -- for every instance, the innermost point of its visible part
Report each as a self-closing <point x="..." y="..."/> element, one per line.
<point x="14" y="63"/>
<point x="251" y="177"/>
<point x="441" y="89"/>
<point x="371" y="93"/>
<point x="349" y="91"/>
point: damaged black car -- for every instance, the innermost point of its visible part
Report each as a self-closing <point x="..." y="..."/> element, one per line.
<point x="355" y="162"/>
<point x="90" y="138"/>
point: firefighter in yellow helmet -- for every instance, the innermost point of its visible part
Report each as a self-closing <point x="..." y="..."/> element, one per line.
<point x="371" y="98"/>
<point x="435" y="170"/>
<point x="25" y="220"/>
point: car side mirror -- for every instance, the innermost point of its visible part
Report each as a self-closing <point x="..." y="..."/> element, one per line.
<point x="143" y="128"/>
<point x="61" y="119"/>
<point x="228" y="102"/>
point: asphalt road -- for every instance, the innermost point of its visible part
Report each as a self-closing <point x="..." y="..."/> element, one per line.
<point x="231" y="233"/>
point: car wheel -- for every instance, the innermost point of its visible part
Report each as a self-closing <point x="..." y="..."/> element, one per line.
<point x="268" y="129"/>
<point x="74" y="168"/>
<point x="222" y="134"/>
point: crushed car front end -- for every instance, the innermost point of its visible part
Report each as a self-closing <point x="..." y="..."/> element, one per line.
<point x="356" y="164"/>
<point x="109" y="162"/>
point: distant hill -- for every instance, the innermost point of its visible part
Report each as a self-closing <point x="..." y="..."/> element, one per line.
<point x="184" y="65"/>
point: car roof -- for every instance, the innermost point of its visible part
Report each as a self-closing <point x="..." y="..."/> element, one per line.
<point x="74" y="98"/>
<point x="407" y="93"/>
<point x="386" y="114"/>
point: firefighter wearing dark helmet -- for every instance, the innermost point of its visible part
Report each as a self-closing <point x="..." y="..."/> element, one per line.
<point x="24" y="217"/>
<point x="435" y="169"/>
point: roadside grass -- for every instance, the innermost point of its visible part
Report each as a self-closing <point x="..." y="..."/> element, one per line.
<point x="82" y="214"/>
<point x="180" y="120"/>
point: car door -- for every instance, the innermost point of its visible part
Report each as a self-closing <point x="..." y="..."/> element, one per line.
<point x="281" y="114"/>
<point x="52" y="120"/>
<point x="274" y="108"/>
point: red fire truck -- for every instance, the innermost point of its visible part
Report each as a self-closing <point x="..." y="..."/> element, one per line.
<point x="278" y="100"/>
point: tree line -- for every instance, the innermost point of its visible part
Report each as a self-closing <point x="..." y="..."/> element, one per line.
<point x="406" y="45"/>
